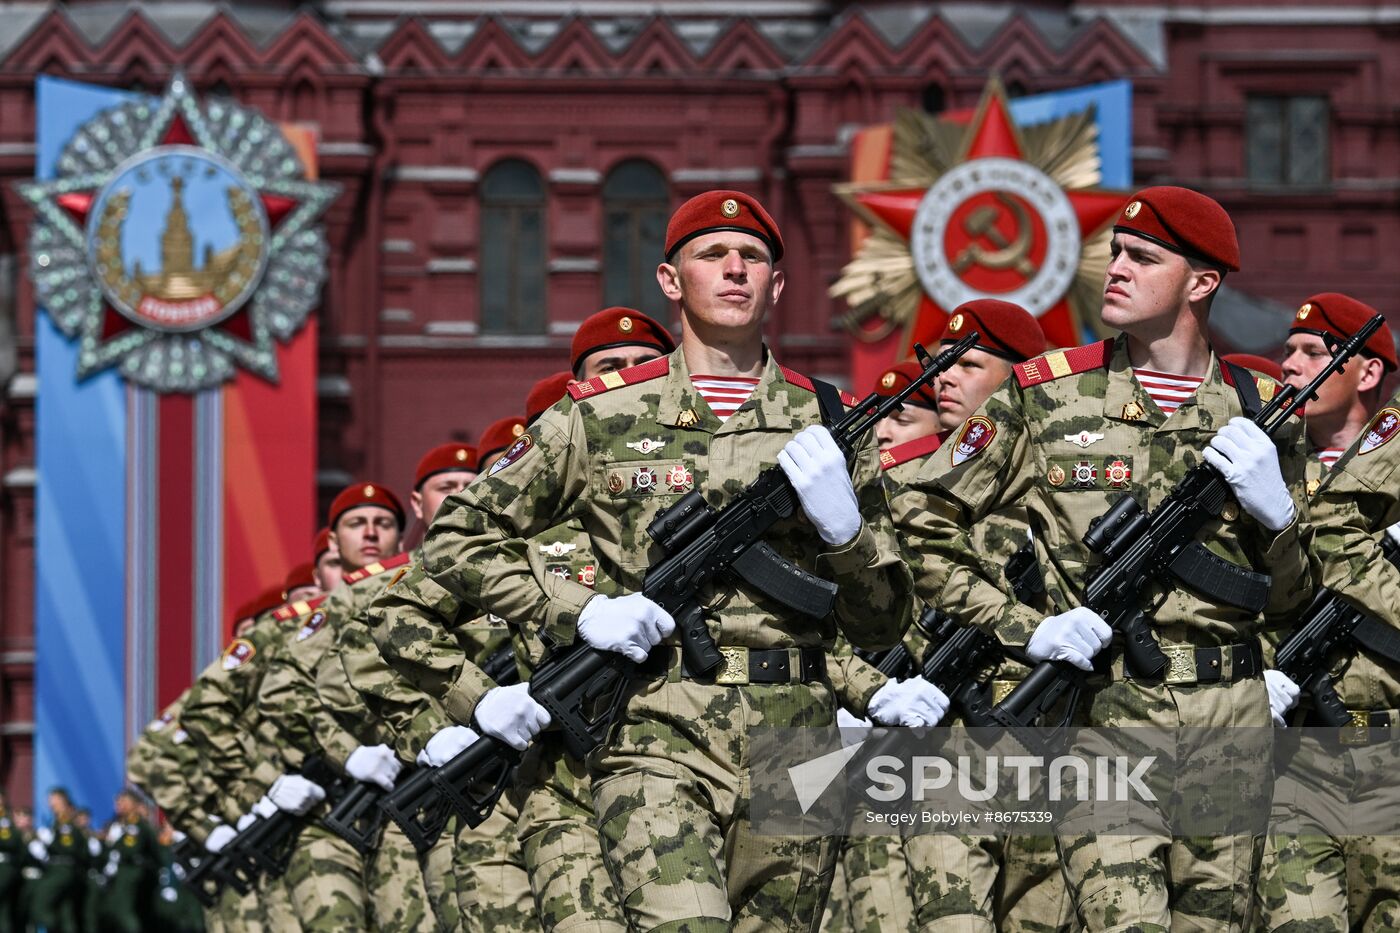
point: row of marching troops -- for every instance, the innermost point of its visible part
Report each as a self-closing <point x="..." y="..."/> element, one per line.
<point x="67" y="874"/>
<point x="543" y="543"/>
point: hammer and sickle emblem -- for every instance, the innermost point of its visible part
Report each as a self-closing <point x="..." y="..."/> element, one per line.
<point x="1009" y="254"/>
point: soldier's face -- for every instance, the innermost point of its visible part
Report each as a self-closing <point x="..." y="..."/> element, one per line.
<point x="1146" y="284"/>
<point x="723" y="281"/>
<point x="365" y="534"/>
<point x="1305" y="355"/>
<point x="967" y="384"/>
<point x="612" y="360"/>
<point x="327" y="570"/>
<point x="901" y="427"/>
<point x="429" y="497"/>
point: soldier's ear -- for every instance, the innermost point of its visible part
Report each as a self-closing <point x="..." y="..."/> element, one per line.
<point x="669" y="278"/>
<point x="1205" y="282"/>
<point x="776" y="287"/>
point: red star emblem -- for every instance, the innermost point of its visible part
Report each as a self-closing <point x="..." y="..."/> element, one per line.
<point x="993" y="233"/>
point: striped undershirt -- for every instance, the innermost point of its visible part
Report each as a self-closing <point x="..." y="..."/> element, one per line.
<point x="724" y="394"/>
<point x="1168" y="390"/>
<point x="1330" y="455"/>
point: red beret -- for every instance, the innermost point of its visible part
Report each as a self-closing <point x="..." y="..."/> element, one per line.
<point x="445" y="457"/>
<point x="358" y="494"/>
<point x="1004" y="329"/>
<point x="617" y="327"/>
<point x="1185" y="222"/>
<point x="1259" y="364"/>
<point x="1342" y="316"/>
<point x="300" y="575"/>
<point x="893" y="380"/>
<point x="545" y="393"/>
<point x="265" y="601"/>
<point x="498" y="436"/>
<point x="322" y="544"/>
<point x="722" y="210"/>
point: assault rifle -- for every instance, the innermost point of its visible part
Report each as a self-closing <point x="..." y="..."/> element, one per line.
<point x="583" y="687"/>
<point x="1332" y="623"/>
<point x="415" y="805"/>
<point x="266" y="845"/>
<point x="206" y="874"/>
<point x="1140" y="549"/>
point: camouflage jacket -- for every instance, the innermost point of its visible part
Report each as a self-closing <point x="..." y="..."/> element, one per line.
<point x="1357" y="501"/>
<point x="615" y="453"/>
<point x="1065" y="437"/>
<point x="413" y="675"/>
<point x="221" y="716"/>
<point x="290" y="698"/>
<point x="170" y="769"/>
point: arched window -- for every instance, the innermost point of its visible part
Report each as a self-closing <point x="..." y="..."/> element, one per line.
<point x="636" y="206"/>
<point x="512" y="249"/>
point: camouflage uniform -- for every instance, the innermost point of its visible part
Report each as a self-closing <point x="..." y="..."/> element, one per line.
<point x="1316" y="880"/>
<point x="1020" y="448"/>
<point x="1014" y="882"/>
<point x="220" y="718"/>
<point x="670" y="786"/>
<point x="327" y="876"/>
<point x="553" y="838"/>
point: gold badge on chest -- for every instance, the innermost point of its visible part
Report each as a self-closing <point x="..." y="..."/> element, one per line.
<point x="1133" y="411"/>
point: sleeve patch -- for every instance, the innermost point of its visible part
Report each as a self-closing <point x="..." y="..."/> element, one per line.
<point x="517" y="450"/>
<point x="974" y="436"/>
<point x="1378" y="433"/>
<point x="239" y="652"/>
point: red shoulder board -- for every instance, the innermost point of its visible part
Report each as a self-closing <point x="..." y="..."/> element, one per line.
<point x="378" y="567"/>
<point x="623" y="377"/>
<point x="797" y="379"/>
<point x="297" y="609"/>
<point x="911" y="450"/>
<point x="1063" y="363"/>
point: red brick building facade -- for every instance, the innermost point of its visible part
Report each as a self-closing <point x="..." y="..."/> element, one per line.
<point x="505" y="166"/>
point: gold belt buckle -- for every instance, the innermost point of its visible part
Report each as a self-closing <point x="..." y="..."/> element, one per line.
<point x="1001" y="689"/>
<point x="1358" y="731"/>
<point x="734" y="666"/>
<point x="1181" y="664"/>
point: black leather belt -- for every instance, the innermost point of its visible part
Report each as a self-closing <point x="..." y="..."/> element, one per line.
<point x="1219" y="663"/>
<point x="742" y="666"/>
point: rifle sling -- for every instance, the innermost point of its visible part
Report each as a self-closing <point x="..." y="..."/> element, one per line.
<point x="1378" y="638"/>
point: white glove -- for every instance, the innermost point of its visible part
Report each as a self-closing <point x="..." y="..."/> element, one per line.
<point x="817" y="470"/>
<point x="111" y="870"/>
<point x="1394" y="532"/>
<point x="264" y="808"/>
<point x="114" y="834"/>
<point x="912" y="702"/>
<point x="45" y="835"/>
<point x="246" y="820"/>
<point x="1074" y="636"/>
<point x="219" y="837"/>
<point x="445" y="745"/>
<point x="168" y="895"/>
<point x="1283" y="694"/>
<point x="511" y="714"/>
<point x="1248" y="460"/>
<point x="94" y="847"/>
<point x="295" y="794"/>
<point x="631" y="625"/>
<point x="853" y="729"/>
<point x="375" y="764"/>
<point x="176" y="837"/>
<point x="37" y="849"/>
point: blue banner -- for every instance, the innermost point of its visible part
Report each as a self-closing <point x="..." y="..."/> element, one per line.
<point x="80" y="602"/>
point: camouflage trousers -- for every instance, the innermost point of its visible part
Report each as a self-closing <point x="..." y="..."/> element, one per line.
<point x="558" y="835"/>
<point x="1150" y="878"/>
<point x="878" y="896"/>
<point x="326" y="881"/>
<point x="836" y="915"/>
<point x="441" y="880"/>
<point x="988" y="883"/>
<point x="265" y="909"/>
<point x="673" y="793"/>
<point x="393" y="874"/>
<point x="493" y="890"/>
<point x="1313" y="879"/>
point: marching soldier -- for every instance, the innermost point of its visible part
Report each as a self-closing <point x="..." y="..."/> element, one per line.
<point x="62" y="848"/>
<point x="1010" y="883"/>
<point x="1070" y="434"/>
<point x="1319" y="879"/>
<point x="672" y="818"/>
<point x="133" y="860"/>
<point x="13" y="846"/>
<point x="326" y="560"/>
<point x="327" y="876"/>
